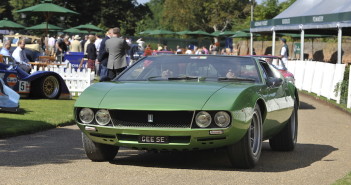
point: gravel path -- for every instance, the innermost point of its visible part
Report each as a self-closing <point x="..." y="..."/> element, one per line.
<point x="322" y="156"/>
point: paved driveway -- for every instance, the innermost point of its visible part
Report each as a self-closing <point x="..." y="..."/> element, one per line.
<point x="322" y="156"/>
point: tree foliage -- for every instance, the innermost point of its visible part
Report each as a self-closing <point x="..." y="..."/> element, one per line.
<point x="270" y="8"/>
<point x="210" y="15"/>
<point x="106" y="13"/>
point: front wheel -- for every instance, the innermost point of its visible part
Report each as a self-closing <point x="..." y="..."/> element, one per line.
<point x="287" y="138"/>
<point x="49" y="87"/>
<point x="98" y="152"/>
<point x="246" y="153"/>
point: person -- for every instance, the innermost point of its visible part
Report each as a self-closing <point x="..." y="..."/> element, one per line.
<point x="51" y="45"/>
<point x="75" y="45"/>
<point x="141" y="44"/>
<point x="91" y="53"/>
<point x="117" y="47"/>
<point x="159" y="47"/>
<point x="188" y="51"/>
<point x="179" y="50"/>
<point x="82" y="43"/>
<point x="230" y="74"/>
<point x="205" y="50"/>
<point x="284" y="52"/>
<point x="20" y="56"/>
<point x="148" y="50"/>
<point x="5" y="51"/>
<point x="103" y="56"/>
<point x="61" y="48"/>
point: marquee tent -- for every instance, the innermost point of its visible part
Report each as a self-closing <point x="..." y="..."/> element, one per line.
<point x="310" y="16"/>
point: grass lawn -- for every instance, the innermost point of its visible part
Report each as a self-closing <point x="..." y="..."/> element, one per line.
<point x="344" y="181"/>
<point x="36" y="115"/>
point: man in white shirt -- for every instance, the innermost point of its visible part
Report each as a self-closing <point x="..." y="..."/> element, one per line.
<point x="141" y="44"/>
<point x="51" y="45"/>
<point x="20" y="56"/>
<point x="284" y="52"/>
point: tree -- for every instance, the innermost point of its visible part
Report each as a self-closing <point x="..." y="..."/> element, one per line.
<point x="211" y="15"/>
<point x="5" y="9"/>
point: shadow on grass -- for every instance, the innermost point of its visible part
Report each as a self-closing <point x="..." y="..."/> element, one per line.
<point x="270" y="161"/>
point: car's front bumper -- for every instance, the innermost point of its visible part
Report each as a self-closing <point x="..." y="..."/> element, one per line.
<point x="179" y="139"/>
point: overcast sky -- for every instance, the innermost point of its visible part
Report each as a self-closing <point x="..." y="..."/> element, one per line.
<point x="258" y="1"/>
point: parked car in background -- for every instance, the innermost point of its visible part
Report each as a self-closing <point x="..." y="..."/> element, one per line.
<point x="190" y="102"/>
<point x="276" y="62"/>
<point x="41" y="84"/>
<point x="9" y="99"/>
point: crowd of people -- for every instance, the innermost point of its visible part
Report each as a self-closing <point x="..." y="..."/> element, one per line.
<point x="106" y="55"/>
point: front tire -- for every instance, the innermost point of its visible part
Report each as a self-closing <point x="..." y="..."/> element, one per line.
<point x="49" y="87"/>
<point x="287" y="138"/>
<point x="98" y="152"/>
<point x="246" y="153"/>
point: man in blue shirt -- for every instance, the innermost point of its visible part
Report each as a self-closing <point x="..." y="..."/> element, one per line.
<point x="5" y="51"/>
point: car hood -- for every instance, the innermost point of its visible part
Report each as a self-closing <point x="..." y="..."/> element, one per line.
<point x="163" y="95"/>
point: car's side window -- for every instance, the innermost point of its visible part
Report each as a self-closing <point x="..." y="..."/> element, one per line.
<point x="267" y="70"/>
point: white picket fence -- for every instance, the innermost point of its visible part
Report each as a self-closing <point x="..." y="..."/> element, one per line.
<point x="320" y="78"/>
<point x="76" y="81"/>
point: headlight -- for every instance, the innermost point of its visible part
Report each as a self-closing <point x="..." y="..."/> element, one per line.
<point x="102" y="117"/>
<point x="86" y="115"/>
<point x="203" y="119"/>
<point x="222" y="119"/>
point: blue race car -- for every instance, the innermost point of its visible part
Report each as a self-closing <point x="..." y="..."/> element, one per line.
<point x="9" y="99"/>
<point x="41" y="84"/>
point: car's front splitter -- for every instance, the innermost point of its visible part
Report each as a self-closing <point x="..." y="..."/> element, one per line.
<point x="177" y="139"/>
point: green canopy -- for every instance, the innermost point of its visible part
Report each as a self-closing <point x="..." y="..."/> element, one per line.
<point x="161" y="32"/>
<point x="227" y="33"/>
<point x="185" y="32"/>
<point x="241" y="34"/>
<point x="216" y="33"/>
<point x="6" y="24"/>
<point x="44" y="26"/>
<point x="294" y="35"/>
<point x="47" y="6"/>
<point x="74" y="30"/>
<point x="89" y="27"/>
<point x="145" y="32"/>
<point x="199" y="32"/>
<point x="48" y="9"/>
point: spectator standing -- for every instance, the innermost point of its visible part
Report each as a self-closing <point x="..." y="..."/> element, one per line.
<point x="284" y="52"/>
<point x="103" y="56"/>
<point x="91" y="53"/>
<point x="82" y="43"/>
<point x="51" y="45"/>
<point x="20" y="56"/>
<point x="75" y="45"/>
<point x="116" y="46"/>
<point x="61" y="48"/>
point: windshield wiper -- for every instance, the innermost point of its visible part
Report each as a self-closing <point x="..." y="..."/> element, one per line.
<point x="236" y="79"/>
<point x="199" y="78"/>
<point x="153" y="77"/>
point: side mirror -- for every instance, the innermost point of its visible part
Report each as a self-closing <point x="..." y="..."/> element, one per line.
<point x="274" y="82"/>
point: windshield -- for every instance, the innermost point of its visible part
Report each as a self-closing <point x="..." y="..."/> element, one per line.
<point x="192" y="67"/>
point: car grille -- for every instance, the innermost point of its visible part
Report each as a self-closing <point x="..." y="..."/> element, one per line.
<point x="161" y="119"/>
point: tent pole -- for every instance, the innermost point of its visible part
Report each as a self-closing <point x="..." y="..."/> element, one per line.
<point x="302" y="44"/>
<point x="251" y="43"/>
<point x="339" y="45"/>
<point x="273" y="43"/>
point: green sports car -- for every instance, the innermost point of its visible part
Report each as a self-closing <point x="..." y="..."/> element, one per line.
<point x="190" y="102"/>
